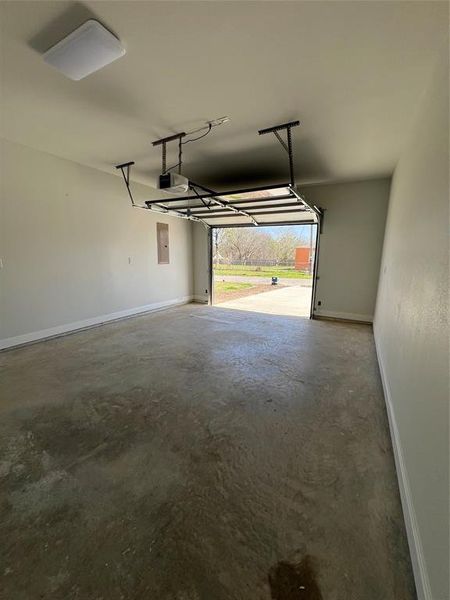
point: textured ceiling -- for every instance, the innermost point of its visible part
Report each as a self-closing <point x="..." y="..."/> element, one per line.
<point x="353" y="73"/>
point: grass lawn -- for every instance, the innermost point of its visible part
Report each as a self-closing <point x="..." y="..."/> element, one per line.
<point x="250" y="271"/>
<point x="225" y="286"/>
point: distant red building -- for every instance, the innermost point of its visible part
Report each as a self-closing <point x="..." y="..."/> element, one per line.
<point x="303" y="258"/>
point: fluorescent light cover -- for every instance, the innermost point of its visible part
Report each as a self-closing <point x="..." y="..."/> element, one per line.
<point x="84" y="51"/>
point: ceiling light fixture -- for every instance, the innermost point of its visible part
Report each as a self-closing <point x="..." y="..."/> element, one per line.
<point x="84" y="51"/>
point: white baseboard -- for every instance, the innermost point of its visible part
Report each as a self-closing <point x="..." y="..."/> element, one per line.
<point x="201" y="298"/>
<point x="43" y="334"/>
<point x="423" y="587"/>
<point x="343" y="315"/>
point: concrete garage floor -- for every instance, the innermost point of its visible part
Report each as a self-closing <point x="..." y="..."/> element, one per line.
<point x="289" y="301"/>
<point x="200" y="454"/>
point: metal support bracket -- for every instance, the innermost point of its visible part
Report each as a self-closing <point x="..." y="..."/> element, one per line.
<point x="203" y="203"/>
<point x="319" y="212"/>
<point x="286" y="145"/>
<point x="163" y="142"/>
<point x="126" y="177"/>
<point x="125" y="169"/>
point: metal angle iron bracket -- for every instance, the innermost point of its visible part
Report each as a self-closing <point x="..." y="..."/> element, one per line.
<point x="319" y="212"/>
<point x="126" y="177"/>
<point x="125" y="170"/>
<point x="163" y="142"/>
<point x="286" y="145"/>
<point x="210" y="198"/>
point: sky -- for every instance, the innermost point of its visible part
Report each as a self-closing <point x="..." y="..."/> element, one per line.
<point x="302" y="231"/>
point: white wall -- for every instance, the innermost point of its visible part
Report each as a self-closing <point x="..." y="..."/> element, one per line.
<point x="350" y="246"/>
<point x="412" y="335"/>
<point x="67" y="234"/>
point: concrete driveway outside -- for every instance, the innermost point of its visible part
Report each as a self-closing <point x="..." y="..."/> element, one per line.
<point x="291" y="301"/>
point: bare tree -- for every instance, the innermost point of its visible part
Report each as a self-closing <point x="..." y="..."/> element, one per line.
<point x="243" y="244"/>
<point x="284" y="246"/>
<point x="217" y="239"/>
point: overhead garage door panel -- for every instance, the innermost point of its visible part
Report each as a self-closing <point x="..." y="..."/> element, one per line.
<point x="262" y="205"/>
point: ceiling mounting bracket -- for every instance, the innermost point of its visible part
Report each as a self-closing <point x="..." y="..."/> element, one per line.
<point x="125" y="169"/>
<point x="286" y="145"/>
<point x="163" y="142"/>
<point x="255" y="204"/>
<point x="126" y="177"/>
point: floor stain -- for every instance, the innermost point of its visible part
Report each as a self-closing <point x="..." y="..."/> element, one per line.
<point x="294" y="581"/>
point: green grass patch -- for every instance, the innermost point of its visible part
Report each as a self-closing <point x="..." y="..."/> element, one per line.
<point x="264" y="271"/>
<point x="226" y="286"/>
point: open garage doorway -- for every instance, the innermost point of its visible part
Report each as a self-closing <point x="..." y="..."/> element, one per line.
<point x="268" y="269"/>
